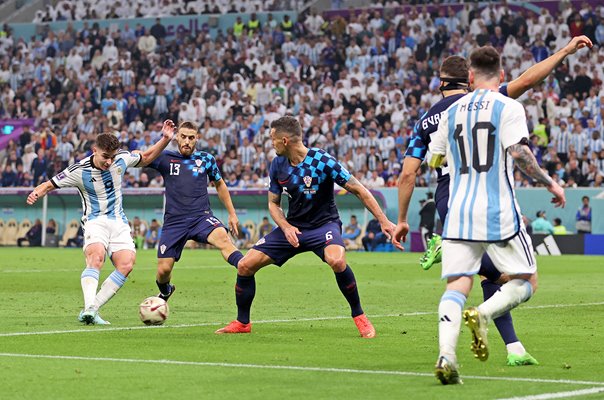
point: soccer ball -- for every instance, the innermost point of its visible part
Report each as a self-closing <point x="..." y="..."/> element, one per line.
<point x="154" y="311"/>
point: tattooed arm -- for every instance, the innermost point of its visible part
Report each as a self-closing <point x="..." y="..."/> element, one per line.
<point x="355" y="187"/>
<point x="526" y="161"/>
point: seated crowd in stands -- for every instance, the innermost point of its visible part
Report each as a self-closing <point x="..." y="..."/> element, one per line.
<point x="358" y="83"/>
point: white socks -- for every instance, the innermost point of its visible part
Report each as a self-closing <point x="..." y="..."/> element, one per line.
<point x="109" y="288"/>
<point x="515" y="348"/>
<point x="510" y="295"/>
<point x="449" y="315"/>
<point x="90" y="282"/>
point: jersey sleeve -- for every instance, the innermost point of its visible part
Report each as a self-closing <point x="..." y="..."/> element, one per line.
<point x="131" y="159"/>
<point x="156" y="164"/>
<point x="513" y="124"/>
<point x="212" y="168"/>
<point x="335" y="170"/>
<point x="503" y="89"/>
<point x="417" y="147"/>
<point x="69" y="177"/>
<point x="274" y="186"/>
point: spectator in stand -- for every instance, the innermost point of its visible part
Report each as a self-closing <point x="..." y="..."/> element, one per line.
<point x="583" y="224"/>
<point x="427" y="218"/>
<point x="373" y="236"/>
<point x="559" y="229"/>
<point x="152" y="235"/>
<point x="33" y="236"/>
<point x="138" y="232"/>
<point x="541" y="224"/>
<point x="265" y="227"/>
<point x="77" y="240"/>
<point x="351" y="231"/>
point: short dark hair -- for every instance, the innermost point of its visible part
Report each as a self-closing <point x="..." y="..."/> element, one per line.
<point x="289" y="125"/>
<point x="188" y="125"/>
<point x="557" y="221"/>
<point x="486" y="61"/>
<point x="584" y="198"/>
<point x="454" y="67"/>
<point x="107" y="142"/>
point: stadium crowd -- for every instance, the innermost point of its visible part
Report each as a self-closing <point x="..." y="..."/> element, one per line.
<point x="73" y="10"/>
<point x="358" y="83"/>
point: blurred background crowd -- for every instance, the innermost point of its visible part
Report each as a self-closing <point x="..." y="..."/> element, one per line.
<point x="358" y="83"/>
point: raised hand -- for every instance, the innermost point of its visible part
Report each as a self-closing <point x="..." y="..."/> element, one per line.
<point x="578" y="42"/>
<point x="168" y="129"/>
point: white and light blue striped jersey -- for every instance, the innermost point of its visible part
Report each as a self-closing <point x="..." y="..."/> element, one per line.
<point x="101" y="191"/>
<point x="579" y="141"/>
<point x="474" y="133"/>
<point x="562" y="140"/>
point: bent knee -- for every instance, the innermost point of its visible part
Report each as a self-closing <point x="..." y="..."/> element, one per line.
<point x="125" y="265"/>
<point x="245" y="268"/>
<point x="337" y="264"/>
<point x="95" y="260"/>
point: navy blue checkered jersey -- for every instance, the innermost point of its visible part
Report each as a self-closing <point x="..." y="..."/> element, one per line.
<point x="309" y="187"/>
<point x="426" y="126"/>
<point x="186" y="181"/>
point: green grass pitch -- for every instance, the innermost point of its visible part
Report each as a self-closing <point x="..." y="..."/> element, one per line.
<point x="303" y="342"/>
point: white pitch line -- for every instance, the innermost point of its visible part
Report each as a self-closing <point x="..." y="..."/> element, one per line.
<point x="138" y="327"/>
<point x="558" y="395"/>
<point x="293" y="368"/>
<point x="269" y="321"/>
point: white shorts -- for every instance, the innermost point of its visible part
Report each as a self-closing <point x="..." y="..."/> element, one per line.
<point x="112" y="233"/>
<point x="516" y="256"/>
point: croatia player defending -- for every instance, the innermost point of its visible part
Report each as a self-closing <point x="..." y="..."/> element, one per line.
<point x="482" y="134"/>
<point x="188" y="215"/>
<point x="98" y="178"/>
<point x="306" y="176"/>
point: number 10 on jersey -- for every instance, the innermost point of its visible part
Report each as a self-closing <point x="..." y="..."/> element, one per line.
<point x="479" y="128"/>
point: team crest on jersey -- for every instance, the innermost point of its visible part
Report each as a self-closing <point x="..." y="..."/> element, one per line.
<point x="119" y="170"/>
<point x="260" y="241"/>
<point x="307" y="180"/>
<point x="198" y="162"/>
<point x="162" y="248"/>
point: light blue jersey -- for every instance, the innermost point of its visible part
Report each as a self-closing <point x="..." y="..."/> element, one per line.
<point x="475" y="133"/>
<point x="101" y="191"/>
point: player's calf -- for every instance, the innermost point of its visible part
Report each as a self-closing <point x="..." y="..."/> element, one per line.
<point x="513" y="293"/>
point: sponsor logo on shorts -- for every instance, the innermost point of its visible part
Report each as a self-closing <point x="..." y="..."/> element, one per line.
<point x="260" y="241"/>
<point x="162" y="248"/>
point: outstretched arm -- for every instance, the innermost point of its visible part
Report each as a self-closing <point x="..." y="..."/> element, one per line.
<point x="526" y="161"/>
<point x="540" y="71"/>
<point x="356" y="188"/>
<point x="154" y="151"/>
<point x="40" y="191"/>
<point x="225" y="199"/>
